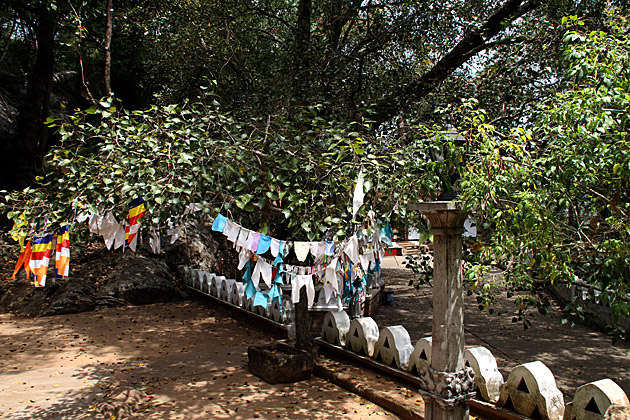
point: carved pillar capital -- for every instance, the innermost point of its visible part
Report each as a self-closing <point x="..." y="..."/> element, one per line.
<point x="447" y="388"/>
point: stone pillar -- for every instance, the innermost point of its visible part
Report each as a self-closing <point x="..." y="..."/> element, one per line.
<point x="447" y="385"/>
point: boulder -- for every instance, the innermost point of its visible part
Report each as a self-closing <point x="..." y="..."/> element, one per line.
<point x="139" y="280"/>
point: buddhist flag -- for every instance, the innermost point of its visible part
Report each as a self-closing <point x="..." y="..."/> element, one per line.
<point x="136" y="212"/>
<point x="62" y="253"/>
<point x="40" y="256"/>
<point x="23" y="260"/>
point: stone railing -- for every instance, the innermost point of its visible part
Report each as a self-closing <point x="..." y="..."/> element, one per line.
<point x="530" y="389"/>
<point x="232" y="292"/>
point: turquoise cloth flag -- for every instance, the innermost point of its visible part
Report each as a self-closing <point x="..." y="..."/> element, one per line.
<point x="279" y="258"/>
<point x="264" y="243"/>
<point x="219" y="223"/>
<point x="276" y="289"/>
<point x="261" y="299"/>
<point x="250" y="289"/>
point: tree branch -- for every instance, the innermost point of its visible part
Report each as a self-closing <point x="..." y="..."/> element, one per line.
<point x="472" y="43"/>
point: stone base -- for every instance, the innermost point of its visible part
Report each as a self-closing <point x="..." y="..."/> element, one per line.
<point x="280" y="363"/>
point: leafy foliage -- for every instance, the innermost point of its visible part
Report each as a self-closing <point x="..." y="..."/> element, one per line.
<point x="293" y="177"/>
<point x="555" y="198"/>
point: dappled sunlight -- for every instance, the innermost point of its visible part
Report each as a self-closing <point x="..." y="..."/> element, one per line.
<point x="187" y="361"/>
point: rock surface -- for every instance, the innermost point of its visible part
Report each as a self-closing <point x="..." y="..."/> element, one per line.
<point x="280" y="363"/>
<point x="99" y="277"/>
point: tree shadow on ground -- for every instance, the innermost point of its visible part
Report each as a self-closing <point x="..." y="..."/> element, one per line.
<point x="187" y="361"/>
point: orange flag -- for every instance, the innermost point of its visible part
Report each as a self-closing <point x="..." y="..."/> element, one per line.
<point x="23" y="260"/>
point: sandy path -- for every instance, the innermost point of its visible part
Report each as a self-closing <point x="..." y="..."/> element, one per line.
<point x="189" y="361"/>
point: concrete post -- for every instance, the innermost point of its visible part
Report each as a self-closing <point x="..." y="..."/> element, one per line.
<point x="447" y="385"/>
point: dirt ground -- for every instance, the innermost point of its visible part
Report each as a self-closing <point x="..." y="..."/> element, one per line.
<point x="179" y="360"/>
<point x="184" y="361"/>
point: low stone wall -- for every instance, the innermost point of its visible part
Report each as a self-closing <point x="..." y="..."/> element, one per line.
<point x="232" y="292"/>
<point x="590" y="297"/>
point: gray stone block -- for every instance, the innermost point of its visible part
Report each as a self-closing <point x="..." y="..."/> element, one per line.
<point x="280" y="363"/>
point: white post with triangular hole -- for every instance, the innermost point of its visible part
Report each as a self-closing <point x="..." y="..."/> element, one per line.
<point x="447" y="385"/>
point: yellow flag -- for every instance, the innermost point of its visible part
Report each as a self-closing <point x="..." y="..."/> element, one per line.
<point x="17" y="234"/>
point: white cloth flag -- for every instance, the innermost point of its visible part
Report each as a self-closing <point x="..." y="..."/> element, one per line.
<point x="352" y="249"/>
<point x="314" y="248"/>
<point x="366" y="259"/>
<point x="301" y="250"/>
<point x="95" y="223"/>
<point x="357" y="199"/>
<point x="109" y="227"/>
<point x="192" y="208"/>
<point x="332" y="280"/>
<point x="119" y="239"/>
<point x="242" y="238"/>
<point x="234" y="231"/>
<point x="275" y="246"/>
<point x="263" y="269"/>
<point x="154" y="241"/>
<point x="297" y="283"/>
<point x="244" y="256"/>
<point x="228" y="227"/>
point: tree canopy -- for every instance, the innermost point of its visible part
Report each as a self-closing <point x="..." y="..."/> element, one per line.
<point x="269" y="110"/>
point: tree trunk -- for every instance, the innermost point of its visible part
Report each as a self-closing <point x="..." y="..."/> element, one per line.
<point x="27" y="151"/>
<point x="301" y="54"/>
<point x="108" y="51"/>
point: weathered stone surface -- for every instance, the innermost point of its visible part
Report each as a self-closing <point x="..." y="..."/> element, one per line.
<point x="362" y="336"/>
<point x="280" y="363"/>
<point x="109" y="278"/>
<point x="531" y="390"/>
<point x="287" y="315"/>
<point x="248" y="304"/>
<point x="139" y="280"/>
<point x="215" y="285"/>
<point x="335" y="327"/>
<point x="487" y="375"/>
<point x="206" y="281"/>
<point x="187" y="277"/>
<point x="237" y="293"/>
<point x="197" y="247"/>
<point x="394" y="347"/>
<point x="196" y="278"/>
<point x="617" y="412"/>
<point x="134" y="279"/>
<point x="421" y="355"/>
<point x="226" y="288"/>
<point x="591" y="401"/>
<point x="447" y="355"/>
